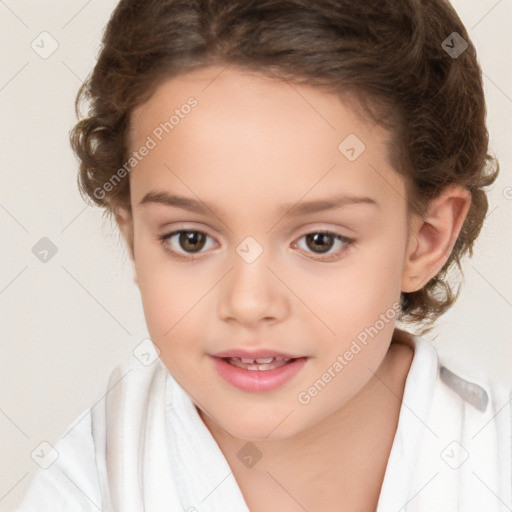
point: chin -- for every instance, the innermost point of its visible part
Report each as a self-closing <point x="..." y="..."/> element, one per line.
<point x="260" y="428"/>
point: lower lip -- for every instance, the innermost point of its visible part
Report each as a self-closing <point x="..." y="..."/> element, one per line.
<point x="257" y="380"/>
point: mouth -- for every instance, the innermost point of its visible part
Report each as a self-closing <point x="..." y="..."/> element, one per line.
<point x="259" y="364"/>
<point x="242" y="353"/>
<point x="258" y="374"/>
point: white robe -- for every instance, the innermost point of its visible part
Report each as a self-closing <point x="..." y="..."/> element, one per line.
<point x="144" y="447"/>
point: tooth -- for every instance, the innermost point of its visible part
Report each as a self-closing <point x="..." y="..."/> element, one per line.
<point x="247" y="361"/>
<point x="260" y="367"/>
<point x="265" y="361"/>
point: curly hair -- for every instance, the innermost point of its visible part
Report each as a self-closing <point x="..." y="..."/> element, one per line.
<point x="392" y="55"/>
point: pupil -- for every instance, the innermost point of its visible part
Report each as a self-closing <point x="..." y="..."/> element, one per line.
<point x="188" y="239"/>
<point x="318" y="241"/>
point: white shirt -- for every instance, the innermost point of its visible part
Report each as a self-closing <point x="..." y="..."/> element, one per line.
<point x="144" y="447"/>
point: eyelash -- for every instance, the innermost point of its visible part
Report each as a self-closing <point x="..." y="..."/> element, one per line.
<point x="347" y="244"/>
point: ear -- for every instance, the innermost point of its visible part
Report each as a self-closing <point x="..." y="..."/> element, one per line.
<point x="124" y="219"/>
<point x="433" y="236"/>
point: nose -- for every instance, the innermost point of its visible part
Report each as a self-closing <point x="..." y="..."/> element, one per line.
<point x="252" y="294"/>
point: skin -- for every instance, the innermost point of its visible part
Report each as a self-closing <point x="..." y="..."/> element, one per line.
<point x="251" y="145"/>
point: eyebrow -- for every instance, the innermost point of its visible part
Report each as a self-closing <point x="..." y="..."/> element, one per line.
<point x="295" y="209"/>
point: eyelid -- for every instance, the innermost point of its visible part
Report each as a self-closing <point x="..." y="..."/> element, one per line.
<point x="167" y="235"/>
<point x="330" y="256"/>
<point x="347" y="241"/>
<point x="315" y="228"/>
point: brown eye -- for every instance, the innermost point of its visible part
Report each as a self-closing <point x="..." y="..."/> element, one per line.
<point x="320" y="242"/>
<point x="191" y="241"/>
<point x="183" y="242"/>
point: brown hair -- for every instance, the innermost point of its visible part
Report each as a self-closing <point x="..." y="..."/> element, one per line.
<point x="393" y="55"/>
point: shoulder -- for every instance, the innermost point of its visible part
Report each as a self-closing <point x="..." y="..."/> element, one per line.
<point x="472" y="386"/>
<point x="466" y="445"/>
<point x="478" y="390"/>
<point x="132" y="385"/>
<point x="66" y="479"/>
<point x="71" y="473"/>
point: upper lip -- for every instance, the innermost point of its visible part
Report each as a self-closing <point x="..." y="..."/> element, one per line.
<point x="253" y="354"/>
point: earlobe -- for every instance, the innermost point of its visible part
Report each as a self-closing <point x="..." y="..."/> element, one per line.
<point x="433" y="237"/>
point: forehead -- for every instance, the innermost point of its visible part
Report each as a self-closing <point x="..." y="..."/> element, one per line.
<point x="234" y="96"/>
<point x="268" y="138"/>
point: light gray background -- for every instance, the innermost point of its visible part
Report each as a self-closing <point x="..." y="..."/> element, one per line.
<point x="66" y="323"/>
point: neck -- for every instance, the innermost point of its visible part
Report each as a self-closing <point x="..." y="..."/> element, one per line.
<point x="354" y="441"/>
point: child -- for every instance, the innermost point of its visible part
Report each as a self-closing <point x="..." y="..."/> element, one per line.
<point x="258" y="131"/>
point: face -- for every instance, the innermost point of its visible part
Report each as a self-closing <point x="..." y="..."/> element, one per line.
<point x="234" y="266"/>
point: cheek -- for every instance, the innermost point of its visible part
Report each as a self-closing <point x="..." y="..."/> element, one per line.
<point x="168" y="302"/>
<point x="173" y="297"/>
<point x="162" y="290"/>
<point x="364" y="286"/>
<point x="347" y="297"/>
<point x="172" y="317"/>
